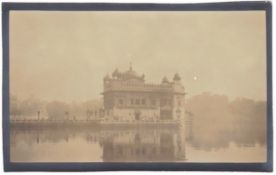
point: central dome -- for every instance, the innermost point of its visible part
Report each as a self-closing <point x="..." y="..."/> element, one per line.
<point x="127" y="75"/>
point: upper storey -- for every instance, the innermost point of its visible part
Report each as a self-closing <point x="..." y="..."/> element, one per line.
<point x="130" y="81"/>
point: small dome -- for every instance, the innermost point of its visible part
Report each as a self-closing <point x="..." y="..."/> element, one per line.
<point x="176" y="77"/>
<point x="115" y="73"/>
<point x="165" y="80"/>
<point x="107" y="77"/>
<point x="130" y="73"/>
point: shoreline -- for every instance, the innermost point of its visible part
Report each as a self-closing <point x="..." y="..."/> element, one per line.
<point x="92" y="123"/>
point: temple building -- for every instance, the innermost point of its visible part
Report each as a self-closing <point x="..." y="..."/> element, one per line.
<point x="128" y="98"/>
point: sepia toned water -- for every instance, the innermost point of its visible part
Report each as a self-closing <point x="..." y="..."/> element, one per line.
<point x="135" y="144"/>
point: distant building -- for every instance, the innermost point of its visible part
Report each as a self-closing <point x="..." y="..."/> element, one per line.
<point x="128" y="98"/>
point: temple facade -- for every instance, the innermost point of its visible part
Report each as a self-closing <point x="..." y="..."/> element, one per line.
<point x="128" y="98"/>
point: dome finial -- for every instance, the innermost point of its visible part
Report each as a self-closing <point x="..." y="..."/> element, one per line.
<point x="130" y="66"/>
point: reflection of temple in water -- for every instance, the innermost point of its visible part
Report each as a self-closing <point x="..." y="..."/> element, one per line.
<point x="118" y="144"/>
<point x="127" y="98"/>
<point x="145" y="146"/>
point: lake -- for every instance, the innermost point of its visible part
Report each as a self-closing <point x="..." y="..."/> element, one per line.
<point x="139" y="144"/>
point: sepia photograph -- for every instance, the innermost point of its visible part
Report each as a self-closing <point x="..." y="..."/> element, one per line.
<point x="130" y="86"/>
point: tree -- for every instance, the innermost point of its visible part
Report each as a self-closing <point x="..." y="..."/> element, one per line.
<point x="57" y="110"/>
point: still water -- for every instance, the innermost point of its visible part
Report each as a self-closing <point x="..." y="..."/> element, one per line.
<point x="140" y="144"/>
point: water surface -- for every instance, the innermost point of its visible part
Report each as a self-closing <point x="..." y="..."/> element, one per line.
<point x="140" y="144"/>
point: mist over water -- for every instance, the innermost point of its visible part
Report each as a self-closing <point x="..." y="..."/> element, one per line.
<point x="131" y="145"/>
<point x="215" y="130"/>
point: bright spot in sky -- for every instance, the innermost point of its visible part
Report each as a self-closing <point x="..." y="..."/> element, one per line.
<point x="195" y="77"/>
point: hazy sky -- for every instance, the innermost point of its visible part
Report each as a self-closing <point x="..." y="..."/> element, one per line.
<point x="65" y="55"/>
